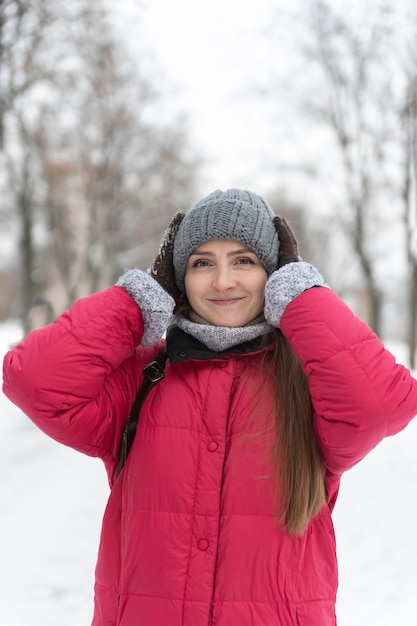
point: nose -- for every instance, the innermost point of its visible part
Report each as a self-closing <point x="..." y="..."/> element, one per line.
<point x="223" y="278"/>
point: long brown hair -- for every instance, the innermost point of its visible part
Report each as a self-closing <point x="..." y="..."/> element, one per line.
<point x="296" y="457"/>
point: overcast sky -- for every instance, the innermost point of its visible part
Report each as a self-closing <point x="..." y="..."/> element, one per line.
<point x="220" y="61"/>
<point x="213" y="59"/>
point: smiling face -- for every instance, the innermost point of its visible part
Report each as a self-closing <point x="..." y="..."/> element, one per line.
<point x="225" y="283"/>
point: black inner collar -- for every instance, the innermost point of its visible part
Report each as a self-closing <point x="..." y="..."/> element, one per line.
<point x="182" y="347"/>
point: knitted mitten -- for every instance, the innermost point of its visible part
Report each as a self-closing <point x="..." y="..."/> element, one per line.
<point x="292" y="277"/>
<point x="155" y="303"/>
<point x="286" y="284"/>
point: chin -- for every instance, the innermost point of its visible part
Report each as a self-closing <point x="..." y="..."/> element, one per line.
<point x="229" y="323"/>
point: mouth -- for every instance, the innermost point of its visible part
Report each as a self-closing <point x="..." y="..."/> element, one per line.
<point x="225" y="301"/>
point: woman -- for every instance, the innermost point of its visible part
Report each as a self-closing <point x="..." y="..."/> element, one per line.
<point x="272" y="389"/>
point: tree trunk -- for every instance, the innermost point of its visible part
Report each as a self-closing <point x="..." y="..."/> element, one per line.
<point x="26" y="244"/>
<point x="413" y="317"/>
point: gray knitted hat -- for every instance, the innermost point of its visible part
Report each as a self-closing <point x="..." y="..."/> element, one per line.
<point x="232" y="214"/>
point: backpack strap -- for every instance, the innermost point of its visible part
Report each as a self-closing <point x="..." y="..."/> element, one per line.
<point x="153" y="372"/>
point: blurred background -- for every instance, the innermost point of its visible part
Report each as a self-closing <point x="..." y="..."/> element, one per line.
<point x="115" y="114"/>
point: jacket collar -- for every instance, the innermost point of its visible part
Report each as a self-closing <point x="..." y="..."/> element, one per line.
<point x="183" y="347"/>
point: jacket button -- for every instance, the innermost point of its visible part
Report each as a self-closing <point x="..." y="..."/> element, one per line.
<point x="203" y="544"/>
<point x="212" y="446"/>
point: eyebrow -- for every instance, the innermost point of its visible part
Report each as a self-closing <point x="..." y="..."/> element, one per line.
<point x="244" y="250"/>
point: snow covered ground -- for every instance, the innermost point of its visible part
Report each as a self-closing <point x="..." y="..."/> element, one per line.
<point x="52" y="500"/>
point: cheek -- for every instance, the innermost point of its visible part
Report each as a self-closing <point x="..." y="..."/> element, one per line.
<point x="260" y="287"/>
<point x="191" y="287"/>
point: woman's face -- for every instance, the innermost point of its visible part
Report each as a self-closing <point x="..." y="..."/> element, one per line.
<point x="225" y="283"/>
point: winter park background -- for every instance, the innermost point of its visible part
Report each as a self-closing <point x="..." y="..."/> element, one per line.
<point x="262" y="114"/>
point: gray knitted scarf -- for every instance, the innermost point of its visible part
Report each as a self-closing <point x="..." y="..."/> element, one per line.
<point x="219" y="338"/>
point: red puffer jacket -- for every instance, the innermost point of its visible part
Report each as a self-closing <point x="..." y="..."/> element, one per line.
<point x="189" y="534"/>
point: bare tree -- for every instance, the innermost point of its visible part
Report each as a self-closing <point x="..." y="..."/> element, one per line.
<point x="95" y="175"/>
<point x="124" y="174"/>
<point x="30" y="54"/>
<point x="26" y="34"/>
<point x="410" y="204"/>
<point x="354" y="102"/>
<point x="22" y="179"/>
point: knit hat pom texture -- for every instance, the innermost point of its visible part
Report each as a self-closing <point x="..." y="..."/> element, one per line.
<point x="233" y="214"/>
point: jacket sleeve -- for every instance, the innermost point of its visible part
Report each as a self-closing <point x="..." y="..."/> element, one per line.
<point x="77" y="378"/>
<point x="359" y="393"/>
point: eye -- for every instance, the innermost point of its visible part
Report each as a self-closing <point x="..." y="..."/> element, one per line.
<point x="200" y="263"/>
<point x="245" y="261"/>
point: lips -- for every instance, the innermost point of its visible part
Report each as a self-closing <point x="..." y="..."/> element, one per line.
<point x="225" y="302"/>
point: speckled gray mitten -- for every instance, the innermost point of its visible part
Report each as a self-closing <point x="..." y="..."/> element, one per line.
<point x="155" y="303"/>
<point x="286" y="284"/>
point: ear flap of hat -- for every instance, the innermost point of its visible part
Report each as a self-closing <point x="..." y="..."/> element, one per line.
<point x="288" y="246"/>
<point x="162" y="269"/>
